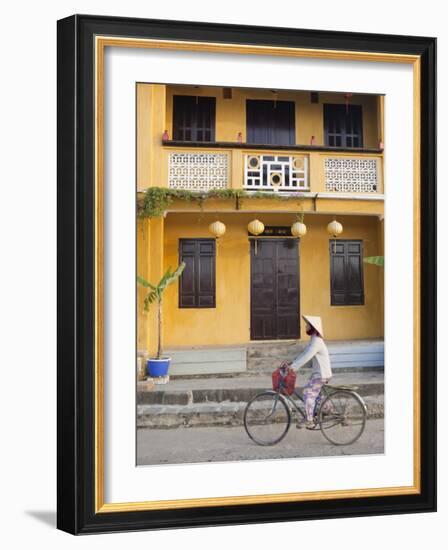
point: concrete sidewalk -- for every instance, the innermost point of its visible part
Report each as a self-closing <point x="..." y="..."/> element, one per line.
<point x="221" y="401"/>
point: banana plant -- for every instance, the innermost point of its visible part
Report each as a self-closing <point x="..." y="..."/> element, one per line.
<point x="155" y="294"/>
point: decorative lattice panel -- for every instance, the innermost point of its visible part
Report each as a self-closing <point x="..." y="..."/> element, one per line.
<point x="276" y="173"/>
<point x="351" y="175"/>
<point x="198" y="171"/>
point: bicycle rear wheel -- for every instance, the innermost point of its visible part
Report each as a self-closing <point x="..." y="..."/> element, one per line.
<point x="267" y="418"/>
<point x="342" y="417"/>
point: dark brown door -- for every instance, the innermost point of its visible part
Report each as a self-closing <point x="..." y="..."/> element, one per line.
<point x="274" y="289"/>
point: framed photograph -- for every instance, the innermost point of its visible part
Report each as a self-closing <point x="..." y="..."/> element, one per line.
<point x="246" y="274"/>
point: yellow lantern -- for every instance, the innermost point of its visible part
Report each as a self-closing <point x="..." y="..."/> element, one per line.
<point x="298" y="229"/>
<point x="334" y="228"/>
<point x="217" y="229"/>
<point x="256" y="227"/>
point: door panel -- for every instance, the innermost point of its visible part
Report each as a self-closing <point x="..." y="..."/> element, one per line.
<point x="274" y="289"/>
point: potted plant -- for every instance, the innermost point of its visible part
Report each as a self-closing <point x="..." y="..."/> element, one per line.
<point x="159" y="365"/>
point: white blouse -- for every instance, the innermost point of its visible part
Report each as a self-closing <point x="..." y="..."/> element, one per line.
<point x="316" y="351"/>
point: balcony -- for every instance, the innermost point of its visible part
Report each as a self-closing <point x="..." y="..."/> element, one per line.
<point x="277" y="173"/>
<point x="304" y="169"/>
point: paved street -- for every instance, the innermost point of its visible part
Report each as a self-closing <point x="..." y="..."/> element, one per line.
<point x="218" y="444"/>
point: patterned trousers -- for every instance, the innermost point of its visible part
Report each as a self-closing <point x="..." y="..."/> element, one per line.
<point x="310" y="393"/>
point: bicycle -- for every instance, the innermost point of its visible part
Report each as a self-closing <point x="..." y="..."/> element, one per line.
<point x="340" y="413"/>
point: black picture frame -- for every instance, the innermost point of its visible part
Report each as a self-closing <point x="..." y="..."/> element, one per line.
<point x="76" y="255"/>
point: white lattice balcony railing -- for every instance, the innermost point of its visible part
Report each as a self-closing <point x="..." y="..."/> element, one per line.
<point x="276" y="172"/>
<point x="198" y="171"/>
<point x="351" y="175"/>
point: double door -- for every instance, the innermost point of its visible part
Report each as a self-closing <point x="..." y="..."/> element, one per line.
<point x="275" y="311"/>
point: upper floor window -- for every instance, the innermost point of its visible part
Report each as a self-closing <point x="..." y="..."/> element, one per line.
<point x="194" y="118"/>
<point x="270" y="122"/>
<point x="343" y="125"/>
<point x="346" y="273"/>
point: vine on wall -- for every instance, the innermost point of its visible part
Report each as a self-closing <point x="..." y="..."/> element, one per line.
<point x="157" y="199"/>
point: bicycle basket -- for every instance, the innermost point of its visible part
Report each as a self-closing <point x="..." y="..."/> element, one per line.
<point x="284" y="379"/>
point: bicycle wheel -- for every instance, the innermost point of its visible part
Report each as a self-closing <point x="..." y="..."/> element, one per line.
<point x="267" y="418"/>
<point x="342" y="417"/>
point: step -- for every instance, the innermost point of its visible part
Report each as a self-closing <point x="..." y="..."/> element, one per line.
<point x="215" y="414"/>
<point x="203" y="390"/>
<point x="356" y="354"/>
<point x="198" y="361"/>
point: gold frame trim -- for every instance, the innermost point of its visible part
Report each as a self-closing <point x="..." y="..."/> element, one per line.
<point x="101" y="42"/>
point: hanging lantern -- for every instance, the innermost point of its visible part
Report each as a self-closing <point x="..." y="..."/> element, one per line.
<point x="334" y="228"/>
<point x="256" y="227"/>
<point x="217" y="229"/>
<point x="298" y="229"/>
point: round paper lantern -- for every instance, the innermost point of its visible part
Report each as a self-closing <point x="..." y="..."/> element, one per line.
<point x="298" y="229"/>
<point x="255" y="227"/>
<point x="217" y="229"/>
<point x="334" y="228"/>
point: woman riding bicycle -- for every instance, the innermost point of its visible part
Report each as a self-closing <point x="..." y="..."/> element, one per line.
<point x="317" y="352"/>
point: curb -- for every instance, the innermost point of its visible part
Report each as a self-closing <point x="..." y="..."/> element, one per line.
<point x="208" y="414"/>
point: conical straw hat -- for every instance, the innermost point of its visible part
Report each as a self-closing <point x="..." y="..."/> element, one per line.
<point x="315" y="322"/>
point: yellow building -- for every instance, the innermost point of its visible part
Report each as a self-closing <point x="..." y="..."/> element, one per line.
<point x="236" y="155"/>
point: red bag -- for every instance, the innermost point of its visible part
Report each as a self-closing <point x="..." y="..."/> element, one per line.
<point x="284" y="379"/>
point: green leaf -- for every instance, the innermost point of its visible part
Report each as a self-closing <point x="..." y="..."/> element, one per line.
<point x="142" y="281"/>
<point x="375" y="260"/>
<point x="149" y="299"/>
<point x="170" y="276"/>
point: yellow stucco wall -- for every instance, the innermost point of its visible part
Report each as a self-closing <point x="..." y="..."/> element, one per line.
<point x="229" y="322"/>
<point x="231" y="113"/>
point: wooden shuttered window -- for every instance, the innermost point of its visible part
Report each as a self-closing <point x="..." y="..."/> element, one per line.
<point x="194" y="118"/>
<point x="347" y="281"/>
<point x="197" y="283"/>
<point x="270" y="122"/>
<point x="343" y="125"/>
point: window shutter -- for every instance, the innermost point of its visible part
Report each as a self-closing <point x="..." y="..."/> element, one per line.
<point x="205" y="119"/>
<point x="197" y="283"/>
<point x="355" y="291"/>
<point x="343" y="125"/>
<point x="194" y="118"/>
<point x="337" y="251"/>
<point x="187" y="283"/>
<point x="347" y="285"/>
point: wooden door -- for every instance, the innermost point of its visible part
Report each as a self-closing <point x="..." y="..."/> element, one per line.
<point x="274" y="289"/>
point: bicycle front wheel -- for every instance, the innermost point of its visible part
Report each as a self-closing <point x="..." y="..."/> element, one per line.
<point x="267" y="418"/>
<point x="342" y="417"/>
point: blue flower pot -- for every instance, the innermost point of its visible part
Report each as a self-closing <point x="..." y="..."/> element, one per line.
<point x="158" y="367"/>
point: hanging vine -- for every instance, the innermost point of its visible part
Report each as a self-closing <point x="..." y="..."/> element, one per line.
<point x="156" y="200"/>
